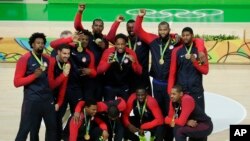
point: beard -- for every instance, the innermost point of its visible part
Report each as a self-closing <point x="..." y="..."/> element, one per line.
<point x="131" y="34"/>
<point x="97" y="35"/>
<point x="164" y="38"/>
<point x="187" y="42"/>
<point x="39" y="51"/>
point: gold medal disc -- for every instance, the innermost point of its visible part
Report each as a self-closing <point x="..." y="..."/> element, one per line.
<point x="161" y="61"/>
<point x="86" y="137"/>
<point x="79" y="49"/>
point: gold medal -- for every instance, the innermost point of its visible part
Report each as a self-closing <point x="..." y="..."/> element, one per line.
<point x="187" y="56"/>
<point x="86" y="137"/>
<point x="161" y="61"/>
<point x="67" y="66"/>
<point x="79" y="49"/>
<point x="121" y="67"/>
<point x="43" y="68"/>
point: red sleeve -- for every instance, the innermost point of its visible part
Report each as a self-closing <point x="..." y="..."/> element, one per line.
<point x="155" y="109"/>
<point x="92" y="64"/>
<point x="73" y="129"/>
<point x="176" y="38"/>
<point x="143" y="35"/>
<point x="171" y="112"/>
<point x="128" y="110"/>
<point x="122" y="105"/>
<point x="54" y="82"/>
<point x="55" y="44"/>
<point x="78" y="21"/>
<point x="79" y="106"/>
<point x="135" y="65"/>
<point x="102" y="107"/>
<point x="20" y="79"/>
<point x="62" y="92"/>
<point x="112" y="32"/>
<point x="187" y="105"/>
<point x="172" y="71"/>
<point x="104" y="65"/>
<point x="203" y="68"/>
<point x="199" y="44"/>
<point x="101" y="123"/>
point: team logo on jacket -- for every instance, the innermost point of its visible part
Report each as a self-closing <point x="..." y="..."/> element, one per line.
<point x="84" y="59"/>
<point x="171" y="47"/>
<point x="125" y="61"/>
<point x="45" y="64"/>
<point x="138" y="43"/>
<point x="195" y="55"/>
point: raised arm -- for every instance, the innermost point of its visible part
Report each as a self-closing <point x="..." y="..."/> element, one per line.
<point x="78" y="19"/>
<point x="140" y="32"/>
<point x="112" y="32"/>
<point x="56" y="43"/>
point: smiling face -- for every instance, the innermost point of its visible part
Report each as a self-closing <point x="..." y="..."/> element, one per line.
<point x="120" y="45"/>
<point x="130" y="29"/>
<point x="141" y="95"/>
<point x="91" y="110"/>
<point x="64" y="55"/>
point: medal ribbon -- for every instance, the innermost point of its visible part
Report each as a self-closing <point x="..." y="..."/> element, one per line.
<point x="112" y="127"/>
<point x="130" y="45"/>
<point x="190" y="48"/>
<point x="164" y="49"/>
<point x="87" y="122"/>
<point x="141" y="112"/>
<point x="59" y="64"/>
<point x="116" y="58"/>
<point x="38" y="60"/>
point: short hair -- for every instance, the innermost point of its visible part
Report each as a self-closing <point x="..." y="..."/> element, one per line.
<point x="130" y="21"/>
<point x="188" y="29"/>
<point x="98" y="19"/>
<point x="178" y="88"/>
<point x="84" y="32"/>
<point x="141" y="86"/>
<point x="164" y="23"/>
<point x="90" y="102"/>
<point x="36" y="35"/>
<point x="113" y="111"/>
<point x="121" y="35"/>
<point x="63" y="46"/>
<point x="65" y="32"/>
